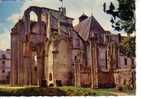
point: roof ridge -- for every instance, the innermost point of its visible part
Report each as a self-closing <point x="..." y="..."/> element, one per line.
<point x="88" y="27"/>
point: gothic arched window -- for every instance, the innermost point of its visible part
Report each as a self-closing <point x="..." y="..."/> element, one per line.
<point x="50" y="76"/>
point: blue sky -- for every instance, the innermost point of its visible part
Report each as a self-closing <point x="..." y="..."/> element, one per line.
<point x="12" y="10"/>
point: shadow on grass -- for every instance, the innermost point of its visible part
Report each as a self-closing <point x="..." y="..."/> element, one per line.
<point x="59" y="91"/>
<point x="33" y="91"/>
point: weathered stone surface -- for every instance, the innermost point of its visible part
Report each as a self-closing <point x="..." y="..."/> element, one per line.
<point x="50" y="51"/>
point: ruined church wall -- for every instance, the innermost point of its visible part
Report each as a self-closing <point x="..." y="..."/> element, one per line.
<point x="105" y="79"/>
<point x="105" y="75"/>
<point x="49" y="65"/>
<point x="102" y="54"/>
<point x="62" y="63"/>
<point x="125" y="62"/>
<point x="124" y="77"/>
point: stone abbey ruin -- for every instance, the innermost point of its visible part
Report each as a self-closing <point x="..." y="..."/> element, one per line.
<point x="50" y="51"/>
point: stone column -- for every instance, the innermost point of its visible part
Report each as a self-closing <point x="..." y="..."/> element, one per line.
<point x="109" y="56"/>
<point x="46" y="63"/>
<point x="26" y="22"/>
<point x="19" y="60"/>
<point x="30" y="67"/>
<point x="27" y="63"/>
<point x="40" y="66"/>
<point x="39" y="69"/>
<point x="48" y="25"/>
<point x="94" y="68"/>
<point x="77" y="73"/>
<point x="13" y="78"/>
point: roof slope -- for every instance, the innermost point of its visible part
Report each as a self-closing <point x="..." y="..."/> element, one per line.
<point x="88" y="27"/>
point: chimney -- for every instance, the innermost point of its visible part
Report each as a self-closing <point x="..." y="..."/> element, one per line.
<point x="83" y="17"/>
<point x="63" y="10"/>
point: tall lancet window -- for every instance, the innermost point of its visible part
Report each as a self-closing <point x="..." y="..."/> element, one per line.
<point x="35" y="59"/>
<point x="102" y="58"/>
<point x="50" y="76"/>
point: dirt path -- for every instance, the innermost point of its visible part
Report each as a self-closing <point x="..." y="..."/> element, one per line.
<point x="119" y="93"/>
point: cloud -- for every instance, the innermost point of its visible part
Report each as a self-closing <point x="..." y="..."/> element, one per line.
<point x="27" y="3"/>
<point x="4" y="37"/>
<point x="0" y="24"/>
<point x="14" y="17"/>
<point x="5" y="40"/>
<point x="74" y="9"/>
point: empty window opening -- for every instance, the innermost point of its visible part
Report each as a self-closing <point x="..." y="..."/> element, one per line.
<point x="35" y="68"/>
<point x="50" y="76"/>
<point x="33" y="16"/>
<point x="35" y="59"/>
<point x="132" y="61"/>
<point x="125" y="61"/>
<point x="3" y="71"/>
<point x="3" y="56"/>
<point x="3" y="62"/>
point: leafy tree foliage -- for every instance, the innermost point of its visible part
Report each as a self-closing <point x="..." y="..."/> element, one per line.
<point x="127" y="46"/>
<point x="123" y="17"/>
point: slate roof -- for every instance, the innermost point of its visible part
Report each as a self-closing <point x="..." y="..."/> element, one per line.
<point x="88" y="27"/>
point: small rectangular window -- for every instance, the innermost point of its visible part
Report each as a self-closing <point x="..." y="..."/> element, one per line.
<point x="125" y="61"/>
<point x="3" y="71"/>
<point x="3" y="56"/>
<point x="3" y="62"/>
<point x="132" y="61"/>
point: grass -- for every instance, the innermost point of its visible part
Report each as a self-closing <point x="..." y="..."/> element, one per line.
<point x="78" y="91"/>
<point x="31" y="91"/>
<point x="6" y="90"/>
<point x="128" y="91"/>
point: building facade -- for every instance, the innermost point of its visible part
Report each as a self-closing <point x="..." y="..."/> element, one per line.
<point x="51" y="51"/>
<point x="5" y="66"/>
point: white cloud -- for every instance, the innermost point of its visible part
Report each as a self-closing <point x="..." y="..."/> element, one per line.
<point x="27" y="3"/>
<point x="4" y="37"/>
<point x="74" y="9"/>
<point x="14" y="17"/>
<point x="5" y="40"/>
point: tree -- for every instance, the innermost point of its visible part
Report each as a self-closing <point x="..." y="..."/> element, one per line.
<point x="127" y="47"/>
<point x="123" y="18"/>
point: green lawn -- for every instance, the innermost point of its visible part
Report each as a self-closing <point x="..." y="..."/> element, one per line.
<point x="6" y="90"/>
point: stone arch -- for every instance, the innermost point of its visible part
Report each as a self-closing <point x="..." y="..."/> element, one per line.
<point x="33" y="11"/>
